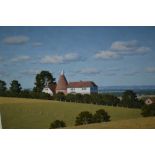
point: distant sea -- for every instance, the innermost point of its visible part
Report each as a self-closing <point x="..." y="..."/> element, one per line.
<point x="118" y="90"/>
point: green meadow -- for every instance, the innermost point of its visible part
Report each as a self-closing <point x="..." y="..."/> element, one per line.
<point x="136" y="123"/>
<point x="20" y="113"/>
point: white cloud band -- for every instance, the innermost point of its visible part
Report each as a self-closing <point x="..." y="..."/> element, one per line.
<point x="16" y="39"/>
<point x="58" y="59"/>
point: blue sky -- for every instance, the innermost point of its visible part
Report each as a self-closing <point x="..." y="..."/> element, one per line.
<point x="109" y="56"/>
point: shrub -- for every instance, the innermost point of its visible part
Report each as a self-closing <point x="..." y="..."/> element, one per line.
<point x="57" y="124"/>
<point x="59" y="96"/>
<point x="78" y="98"/>
<point x="129" y="99"/>
<point x="70" y="98"/>
<point x="101" y="116"/>
<point x="148" y="110"/>
<point x="84" y="117"/>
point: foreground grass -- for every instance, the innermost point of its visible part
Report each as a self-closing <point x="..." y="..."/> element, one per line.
<point x="34" y="113"/>
<point x="137" y="123"/>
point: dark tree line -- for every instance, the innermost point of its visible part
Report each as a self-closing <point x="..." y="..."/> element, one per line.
<point x="128" y="99"/>
<point x="99" y="99"/>
<point x="15" y="90"/>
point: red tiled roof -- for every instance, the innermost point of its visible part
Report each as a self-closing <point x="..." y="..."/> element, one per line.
<point x="81" y="84"/>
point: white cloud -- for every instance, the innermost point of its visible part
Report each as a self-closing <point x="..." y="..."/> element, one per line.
<point x="131" y="73"/>
<point x="124" y="45"/>
<point x="150" y="70"/>
<point x="129" y="47"/>
<point x="119" y="49"/>
<point x="16" y="39"/>
<point x="143" y="50"/>
<point x="71" y="57"/>
<point x="57" y="59"/>
<point x="89" y="71"/>
<point x="30" y="72"/>
<point x="107" y="55"/>
<point x="20" y="58"/>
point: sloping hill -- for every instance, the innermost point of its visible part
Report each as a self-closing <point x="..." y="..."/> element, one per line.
<point x="34" y="113"/>
<point x="137" y="123"/>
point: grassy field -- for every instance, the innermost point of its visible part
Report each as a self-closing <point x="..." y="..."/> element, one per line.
<point x="136" y="123"/>
<point x="33" y="113"/>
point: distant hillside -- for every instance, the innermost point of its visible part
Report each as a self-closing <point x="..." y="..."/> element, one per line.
<point x="127" y="87"/>
<point x="118" y="90"/>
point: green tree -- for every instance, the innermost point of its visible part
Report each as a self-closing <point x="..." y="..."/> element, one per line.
<point x="60" y="96"/>
<point x="93" y="98"/>
<point x="129" y="99"/>
<point x="40" y="80"/>
<point x="101" y="116"/>
<point x="70" y="98"/>
<point x="86" y="98"/>
<point x="84" y="117"/>
<point x="148" y="110"/>
<point x="2" y="87"/>
<point x="110" y="100"/>
<point x="25" y="93"/>
<point x="96" y="99"/>
<point x="15" y="87"/>
<point x="141" y="103"/>
<point x="78" y="98"/>
<point x="57" y="124"/>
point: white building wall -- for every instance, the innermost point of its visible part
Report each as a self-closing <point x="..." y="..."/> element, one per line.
<point x="85" y="90"/>
<point x="48" y="91"/>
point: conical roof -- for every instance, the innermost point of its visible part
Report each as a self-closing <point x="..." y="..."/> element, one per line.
<point x="62" y="82"/>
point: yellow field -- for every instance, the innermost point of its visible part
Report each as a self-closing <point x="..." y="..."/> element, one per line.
<point x="137" y="123"/>
<point x="24" y="113"/>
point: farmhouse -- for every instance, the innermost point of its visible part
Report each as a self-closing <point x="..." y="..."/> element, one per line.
<point x="150" y="100"/>
<point x="82" y="87"/>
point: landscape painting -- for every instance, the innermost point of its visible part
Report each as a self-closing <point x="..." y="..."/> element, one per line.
<point x="77" y="77"/>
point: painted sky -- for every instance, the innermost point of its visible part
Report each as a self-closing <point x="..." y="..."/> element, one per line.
<point x="109" y="56"/>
